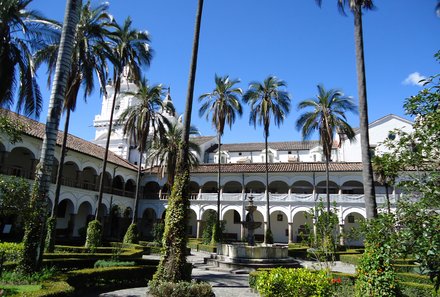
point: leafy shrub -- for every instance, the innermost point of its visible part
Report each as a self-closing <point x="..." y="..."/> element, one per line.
<point x="17" y="278"/>
<point x="375" y="274"/>
<point x="159" y="228"/>
<point x="94" y="235"/>
<point x="180" y="289"/>
<point x="106" y="263"/>
<point x="11" y="251"/>
<point x="280" y="282"/>
<point x="131" y="236"/>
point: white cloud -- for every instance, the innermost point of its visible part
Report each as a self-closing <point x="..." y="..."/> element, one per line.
<point x="414" y="79"/>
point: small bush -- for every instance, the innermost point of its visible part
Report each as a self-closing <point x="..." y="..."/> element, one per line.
<point x="17" y="278"/>
<point x="106" y="263"/>
<point x="180" y="289"/>
<point x="131" y="236"/>
<point x="94" y="235"/>
<point x="11" y="251"/>
<point x="280" y="282"/>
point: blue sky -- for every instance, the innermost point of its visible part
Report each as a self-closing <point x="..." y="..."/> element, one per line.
<point x="294" y="40"/>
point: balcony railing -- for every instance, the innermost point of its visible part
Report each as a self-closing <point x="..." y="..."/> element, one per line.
<point x="292" y="197"/>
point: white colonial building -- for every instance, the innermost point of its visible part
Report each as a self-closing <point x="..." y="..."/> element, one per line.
<point x="296" y="179"/>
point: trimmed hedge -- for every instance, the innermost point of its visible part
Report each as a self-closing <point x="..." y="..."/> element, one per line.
<point x="180" y="289"/>
<point x="412" y="285"/>
<point x="53" y="289"/>
<point x="350" y="258"/>
<point x="414" y="278"/>
<point x="110" y="277"/>
<point x="418" y="290"/>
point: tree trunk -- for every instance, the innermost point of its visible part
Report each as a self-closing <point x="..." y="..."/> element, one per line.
<point x="218" y="187"/>
<point x="138" y="185"/>
<point x="387" y="197"/>
<point x="327" y="188"/>
<point x="173" y="266"/>
<point x="34" y="230"/>
<point x="51" y="232"/>
<point x="367" y="169"/>
<point x="267" y="240"/>
<point x="107" y="144"/>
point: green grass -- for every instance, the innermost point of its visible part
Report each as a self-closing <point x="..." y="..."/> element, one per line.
<point x="18" y="289"/>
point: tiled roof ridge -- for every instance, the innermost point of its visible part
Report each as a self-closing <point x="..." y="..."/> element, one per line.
<point x="275" y="167"/>
<point x="37" y="129"/>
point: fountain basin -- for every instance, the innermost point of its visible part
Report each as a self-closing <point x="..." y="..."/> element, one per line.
<point x="244" y="251"/>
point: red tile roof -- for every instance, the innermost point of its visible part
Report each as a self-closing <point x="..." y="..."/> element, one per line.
<point x="37" y="130"/>
<point x="275" y="167"/>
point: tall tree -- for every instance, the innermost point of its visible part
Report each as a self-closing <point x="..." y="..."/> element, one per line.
<point x="268" y="102"/>
<point x="222" y="104"/>
<point x="34" y="229"/>
<point x="22" y="31"/>
<point x="327" y="117"/>
<point x="173" y="266"/>
<point x="356" y="7"/>
<point x="87" y="59"/>
<point x="139" y="121"/>
<point x="164" y="151"/>
<point x="127" y="50"/>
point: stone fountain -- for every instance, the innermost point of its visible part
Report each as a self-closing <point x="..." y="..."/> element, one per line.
<point x="248" y="256"/>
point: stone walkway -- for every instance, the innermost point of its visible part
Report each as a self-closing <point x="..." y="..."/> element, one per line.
<point x="225" y="283"/>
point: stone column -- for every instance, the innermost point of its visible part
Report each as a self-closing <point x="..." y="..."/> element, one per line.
<point x="290" y="232"/>
<point x="71" y="225"/>
<point x="199" y="228"/>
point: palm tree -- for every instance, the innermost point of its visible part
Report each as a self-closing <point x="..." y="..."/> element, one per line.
<point x="327" y="117"/>
<point x="139" y="121"/>
<point x="128" y="49"/>
<point x="164" y="151"/>
<point x="356" y="7"/>
<point x="268" y="103"/>
<point x="21" y="32"/>
<point x="34" y="238"/>
<point x="222" y="104"/>
<point x="173" y="266"/>
<point x="87" y="59"/>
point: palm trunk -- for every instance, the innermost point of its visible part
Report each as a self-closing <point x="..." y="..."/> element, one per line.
<point x="138" y="187"/>
<point x="173" y="266"/>
<point x="51" y="232"/>
<point x="367" y="169"/>
<point x="35" y="225"/>
<point x="107" y="144"/>
<point x="327" y="188"/>
<point x="218" y="186"/>
<point x="267" y="196"/>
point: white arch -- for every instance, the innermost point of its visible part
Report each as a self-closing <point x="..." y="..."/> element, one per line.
<point x="91" y="165"/>
<point x="283" y="209"/>
<point x="29" y="146"/>
<point x="299" y="209"/>
<point x="347" y="211"/>
<point x="237" y="208"/>
<point x="88" y="199"/>
<point x="70" y="158"/>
